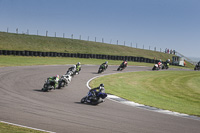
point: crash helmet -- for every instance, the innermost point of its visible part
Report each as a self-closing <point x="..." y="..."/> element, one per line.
<point x="78" y="63"/>
<point x="74" y="66"/>
<point x="106" y="62"/>
<point x="168" y="60"/>
<point x="101" y="85"/>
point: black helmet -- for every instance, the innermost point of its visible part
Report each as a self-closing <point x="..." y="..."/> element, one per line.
<point x="101" y="85"/>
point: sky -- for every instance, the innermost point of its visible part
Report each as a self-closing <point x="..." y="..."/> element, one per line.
<point x="172" y="24"/>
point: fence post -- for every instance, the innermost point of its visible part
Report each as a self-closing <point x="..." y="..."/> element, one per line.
<point x="17" y="30"/>
<point x="124" y="43"/>
<point x="46" y="33"/>
<point x="63" y="35"/>
<point x="95" y="39"/>
<point x="7" y="30"/>
<point x="117" y="42"/>
<point x="72" y="36"/>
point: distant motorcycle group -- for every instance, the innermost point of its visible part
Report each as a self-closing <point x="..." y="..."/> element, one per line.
<point x="161" y="65"/>
<point x="57" y="82"/>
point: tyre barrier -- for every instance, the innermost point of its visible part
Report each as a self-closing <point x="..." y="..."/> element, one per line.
<point x="77" y="55"/>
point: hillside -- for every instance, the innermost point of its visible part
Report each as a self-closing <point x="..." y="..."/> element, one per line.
<point x="11" y="41"/>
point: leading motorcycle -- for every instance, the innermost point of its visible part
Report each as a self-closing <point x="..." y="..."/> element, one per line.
<point x="197" y="67"/>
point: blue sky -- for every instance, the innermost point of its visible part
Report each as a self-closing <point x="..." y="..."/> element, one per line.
<point x="173" y="24"/>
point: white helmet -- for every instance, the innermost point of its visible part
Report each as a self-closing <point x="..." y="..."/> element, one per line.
<point x="74" y="66"/>
<point x="78" y="63"/>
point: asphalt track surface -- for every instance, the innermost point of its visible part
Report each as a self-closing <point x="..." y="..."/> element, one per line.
<point x="60" y="110"/>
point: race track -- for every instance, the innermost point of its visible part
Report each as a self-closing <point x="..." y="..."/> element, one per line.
<point x="22" y="102"/>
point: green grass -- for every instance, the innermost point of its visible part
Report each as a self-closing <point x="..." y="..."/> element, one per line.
<point x="6" y="61"/>
<point x="29" y="61"/>
<point x="10" y="41"/>
<point x="6" y="128"/>
<point x="177" y="91"/>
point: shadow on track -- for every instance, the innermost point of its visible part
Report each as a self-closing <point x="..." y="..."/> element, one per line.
<point x="38" y="90"/>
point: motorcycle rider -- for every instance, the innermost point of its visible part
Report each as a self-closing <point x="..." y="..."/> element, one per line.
<point x="160" y="63"/>
<point x="167" y="63"/>
<point x="73" y="69"/>
<point x="104" y="65"/>
<point x="78" y="67"/>
<point x="124" y="64"/>
<point x="198" y="64"/>
<point x="54" y="80"/>
<point x="94" y="92"/>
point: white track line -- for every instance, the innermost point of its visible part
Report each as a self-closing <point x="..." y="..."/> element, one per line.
<point x="27" y="127"/>
<point x="141" y="106"/>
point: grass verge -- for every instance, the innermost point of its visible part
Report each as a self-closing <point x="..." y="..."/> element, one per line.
<point x="171" y="90"/>
<point x="7" y="128"/>
<point x="29" y="61"/>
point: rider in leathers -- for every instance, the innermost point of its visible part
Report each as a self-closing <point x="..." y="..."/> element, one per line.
<point x="78" y="67"/>
<point x="105" y="65"/>
<point x="54" y="79"/>
<point x="124" y="64"/>
<point x="93" y="92"/>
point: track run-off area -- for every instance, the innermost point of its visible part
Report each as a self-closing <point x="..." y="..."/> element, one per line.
<point x="22" y="102"/>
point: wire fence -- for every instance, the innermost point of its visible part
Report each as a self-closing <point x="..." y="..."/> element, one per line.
<point x="94" y="39"/>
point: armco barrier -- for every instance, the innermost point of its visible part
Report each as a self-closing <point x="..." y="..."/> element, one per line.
<point x="77" y="55"/>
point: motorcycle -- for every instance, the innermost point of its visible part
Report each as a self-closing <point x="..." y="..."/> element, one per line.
<point x="197" y="68"/>
<point x="71" y="73"/>
<point x="102" y="68"/>
<point x="155" y="67"/>
<point x="121" y="67"/>
<point x="48" y="85"/>
<point x="165" y="66"/>
<point x="64" y="81"/>
<point x="95" y="99"/>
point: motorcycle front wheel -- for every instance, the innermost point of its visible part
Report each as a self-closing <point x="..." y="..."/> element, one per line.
<point x="83" y="99"/>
